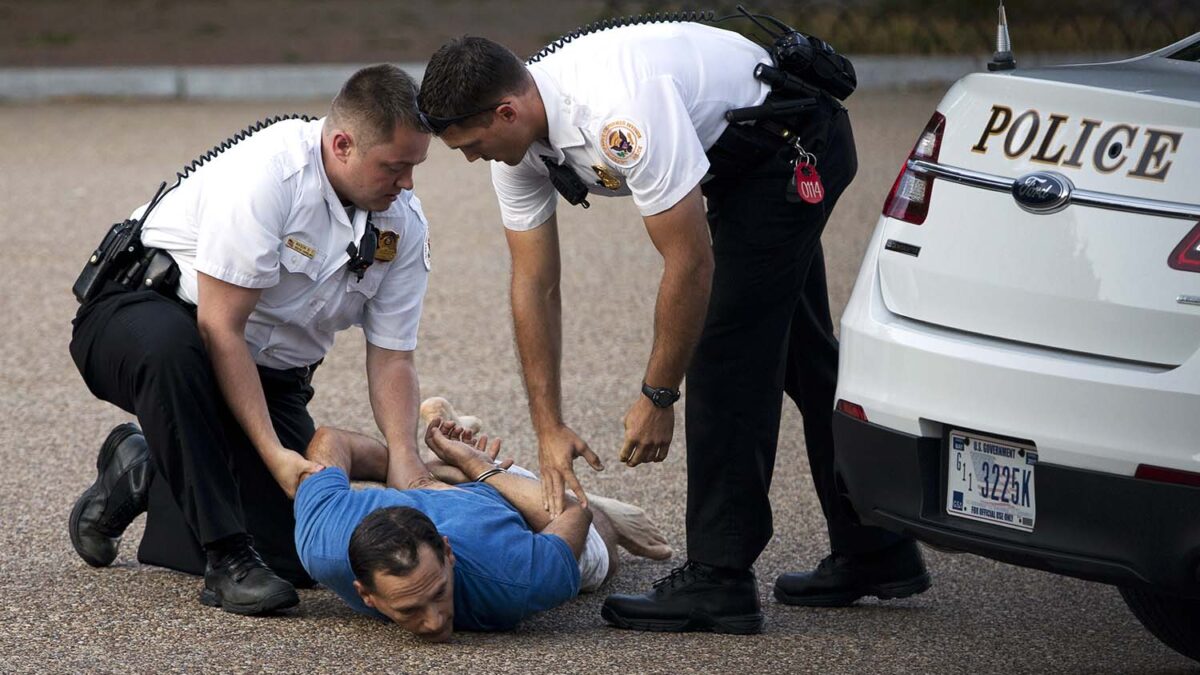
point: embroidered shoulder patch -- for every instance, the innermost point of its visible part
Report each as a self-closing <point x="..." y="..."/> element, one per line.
<point x="622" y="142"/>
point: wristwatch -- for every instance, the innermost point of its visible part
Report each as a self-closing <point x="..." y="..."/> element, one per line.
<point x="661" y="397"/>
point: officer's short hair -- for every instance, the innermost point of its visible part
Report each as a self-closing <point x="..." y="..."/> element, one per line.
<point x="470" y="73"/>
<point x="374" y="101"/>
<point x="389" y="540"/>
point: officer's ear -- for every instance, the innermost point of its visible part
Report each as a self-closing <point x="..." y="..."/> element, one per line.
<point x="342" y="144"/>
<point x="507" y="112"/>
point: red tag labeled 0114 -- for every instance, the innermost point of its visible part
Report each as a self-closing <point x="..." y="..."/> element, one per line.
<point x="808" y="183"/>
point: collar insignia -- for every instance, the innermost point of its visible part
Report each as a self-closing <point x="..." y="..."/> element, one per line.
<point x="607" y="179"/>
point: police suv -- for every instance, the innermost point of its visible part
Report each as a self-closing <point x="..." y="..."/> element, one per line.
<point x="1020" y="360"/>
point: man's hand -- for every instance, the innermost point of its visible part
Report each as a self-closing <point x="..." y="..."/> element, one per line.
<point x="454" y="475"/>
<point x="648" y="433"/>
<point x="288" y="468"/>
<point x="458" y="448"/>
<point x="557" y="451"/>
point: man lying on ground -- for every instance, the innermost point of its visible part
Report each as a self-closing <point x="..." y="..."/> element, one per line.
<point x="480" y="555"/>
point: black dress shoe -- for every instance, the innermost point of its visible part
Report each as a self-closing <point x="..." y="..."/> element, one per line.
<point x="119" y="494"/>
<point x="694" y="597"/>
<point x="239" y="581"/>
<point x="840" y="580"/>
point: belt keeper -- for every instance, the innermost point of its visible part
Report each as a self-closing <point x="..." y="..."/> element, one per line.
<point x="489" y="473"/>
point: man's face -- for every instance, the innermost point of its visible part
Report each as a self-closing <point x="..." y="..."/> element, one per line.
<point x="422" y="601"/>
<point x="491" y="136"/>
<point x="374" y="176"/>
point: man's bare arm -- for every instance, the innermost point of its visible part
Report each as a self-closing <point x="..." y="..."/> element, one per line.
<point x="363" y="458"/>
<point x="221" y="316"/>
<point x="524" y="494"/>
<point x="681" y="236"/>
<point x="394" y="393"/>
<point x="537" y="323"/>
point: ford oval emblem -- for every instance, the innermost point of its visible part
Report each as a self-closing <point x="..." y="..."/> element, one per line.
<point x="1043" y="192"/>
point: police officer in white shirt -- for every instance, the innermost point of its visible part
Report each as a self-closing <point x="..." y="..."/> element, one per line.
<point x="742" y="305"/>
<point x="294" y="233"/>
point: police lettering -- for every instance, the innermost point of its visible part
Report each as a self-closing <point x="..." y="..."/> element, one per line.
<point x="1049" y="141"/>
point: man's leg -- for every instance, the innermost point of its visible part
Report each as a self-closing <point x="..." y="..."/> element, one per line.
<point x="270" y="518"/>
<point x="142" y="352"/>
<point x="608" y="533"/>
<point x="811" y="381"/>
<point x="762" y="245"/>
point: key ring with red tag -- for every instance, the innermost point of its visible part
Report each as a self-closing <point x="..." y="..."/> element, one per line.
<point x="806" y="178"/>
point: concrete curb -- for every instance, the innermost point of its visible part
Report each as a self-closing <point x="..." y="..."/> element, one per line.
<point x="269" y="82"/>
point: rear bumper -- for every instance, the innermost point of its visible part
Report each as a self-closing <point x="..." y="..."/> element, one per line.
<point x="1090" y="525"/>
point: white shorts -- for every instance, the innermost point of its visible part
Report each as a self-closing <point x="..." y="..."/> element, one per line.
<point x="593" y="564"/>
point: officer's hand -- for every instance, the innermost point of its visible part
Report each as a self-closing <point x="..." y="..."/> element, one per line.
<point x="648" y="433"/>
<point x="557" y="450"/>
<point x="289" y="468"/>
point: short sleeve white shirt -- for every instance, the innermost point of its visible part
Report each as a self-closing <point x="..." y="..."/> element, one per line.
<point x="632" y="111"/>
<point x="262" y="214"/>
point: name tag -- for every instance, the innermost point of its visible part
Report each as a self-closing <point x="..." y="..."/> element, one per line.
<point x="300" y="247"/>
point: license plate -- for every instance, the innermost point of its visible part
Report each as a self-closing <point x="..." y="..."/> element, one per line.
<point x="991" y="480"/>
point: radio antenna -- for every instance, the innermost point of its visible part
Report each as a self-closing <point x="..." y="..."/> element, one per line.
<point x="1002" y="59"/>
<point x="753" y="17"/>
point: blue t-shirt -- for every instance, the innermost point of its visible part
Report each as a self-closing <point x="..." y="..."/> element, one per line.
<point x="503" y="573"/>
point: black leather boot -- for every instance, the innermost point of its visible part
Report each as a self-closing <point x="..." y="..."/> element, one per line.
<point x="237" y="580"/>
<point x="695" y="597"/>
<point x="840" y="580"/>
<point x="119" y="494"/>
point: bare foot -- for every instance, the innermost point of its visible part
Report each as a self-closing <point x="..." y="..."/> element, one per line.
<point x="471" y="423"/>
<point x="635" y="532"/>
<point x="437" y="406"/>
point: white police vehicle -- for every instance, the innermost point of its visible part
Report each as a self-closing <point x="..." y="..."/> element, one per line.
<point x="1020" y="360"/>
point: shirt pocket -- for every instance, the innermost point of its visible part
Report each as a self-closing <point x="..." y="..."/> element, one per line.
<point x="349" y="310"/>
<point x="297" y="263"/>
<point x="368" y="286"/>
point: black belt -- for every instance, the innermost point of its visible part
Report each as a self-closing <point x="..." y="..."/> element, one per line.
<point x="746" y="145"/>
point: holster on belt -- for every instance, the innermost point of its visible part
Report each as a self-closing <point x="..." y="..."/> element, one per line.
<point x="123" y="259"/>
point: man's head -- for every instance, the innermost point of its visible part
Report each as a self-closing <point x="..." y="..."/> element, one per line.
<point x="373" y="137"/>
<point x="479" y="98"/>
<point x="404" y="570"/>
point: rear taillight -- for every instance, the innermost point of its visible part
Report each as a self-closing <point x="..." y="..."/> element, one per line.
<point x="852" y="409"/>
<point x="1186" y="255"/>
<point x="910" y="195"/>
<point x="1165" y="475"/>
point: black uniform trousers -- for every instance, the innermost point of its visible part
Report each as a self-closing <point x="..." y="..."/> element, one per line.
<point x="142" y="352"/>
<point x="768" y="331"/>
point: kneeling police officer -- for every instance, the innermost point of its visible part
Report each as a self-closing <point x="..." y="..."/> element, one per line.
<point x="673" y="114"/>
<point x="291" y="233"/>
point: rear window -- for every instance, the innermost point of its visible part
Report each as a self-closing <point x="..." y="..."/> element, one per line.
<point x="1188" y="53"/>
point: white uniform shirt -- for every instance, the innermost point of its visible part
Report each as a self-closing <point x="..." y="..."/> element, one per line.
<point x="262" y="214"/>
<point x="643" y="103"/>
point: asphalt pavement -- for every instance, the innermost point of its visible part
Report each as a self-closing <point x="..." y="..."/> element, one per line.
<point x="70" y="169"/>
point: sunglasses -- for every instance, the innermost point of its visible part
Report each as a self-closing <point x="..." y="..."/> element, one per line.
<point x="439" y="124"/>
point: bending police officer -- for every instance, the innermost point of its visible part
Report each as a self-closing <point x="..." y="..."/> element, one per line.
<point x="297" y="231"/>
<point x="640" y="111"/>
